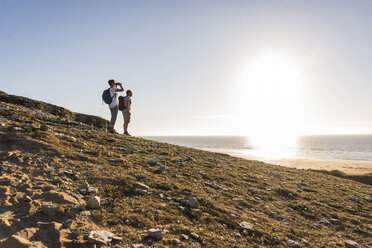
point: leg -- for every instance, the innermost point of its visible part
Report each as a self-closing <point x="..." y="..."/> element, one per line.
<point x="114" y="114"/>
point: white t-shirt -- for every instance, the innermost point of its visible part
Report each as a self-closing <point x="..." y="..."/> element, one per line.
<point x="115" y="101"/>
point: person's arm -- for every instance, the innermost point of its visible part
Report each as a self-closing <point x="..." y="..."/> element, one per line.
<point x="127" y="106"/>
<point x="121" y="88"/>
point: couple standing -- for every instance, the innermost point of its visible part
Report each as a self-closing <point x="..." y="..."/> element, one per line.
<point x="114" y="105"/>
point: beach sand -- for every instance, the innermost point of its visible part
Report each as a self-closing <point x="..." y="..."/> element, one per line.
<point x="350" y="167"/>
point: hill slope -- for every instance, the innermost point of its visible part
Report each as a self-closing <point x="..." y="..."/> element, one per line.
<point x="54" y="162"/>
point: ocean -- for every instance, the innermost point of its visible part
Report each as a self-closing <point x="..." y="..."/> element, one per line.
<point x="340" y="147"/>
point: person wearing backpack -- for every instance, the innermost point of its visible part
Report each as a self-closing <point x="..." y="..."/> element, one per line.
<point x="110" y="96"/>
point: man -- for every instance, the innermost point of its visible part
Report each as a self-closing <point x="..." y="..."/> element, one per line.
<point x="127" y="111"/>
<point x="114" y="104"/>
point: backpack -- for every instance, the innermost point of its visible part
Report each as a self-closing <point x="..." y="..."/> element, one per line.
<point x="121" y="103"/>
<point x="106" y="97"/>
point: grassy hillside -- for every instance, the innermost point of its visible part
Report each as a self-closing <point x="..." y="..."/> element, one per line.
<point x="52" y="165"/>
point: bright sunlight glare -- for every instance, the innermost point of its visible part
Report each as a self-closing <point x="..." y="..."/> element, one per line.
<point x="270" y="101"/>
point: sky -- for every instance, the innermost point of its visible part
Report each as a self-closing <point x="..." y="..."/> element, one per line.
<point x="197" y="67"/>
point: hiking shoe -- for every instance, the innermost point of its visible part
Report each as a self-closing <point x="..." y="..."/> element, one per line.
<point x="126" y="133"/>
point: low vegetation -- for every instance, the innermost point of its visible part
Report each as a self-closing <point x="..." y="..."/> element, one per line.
<point x="196" y="198"/>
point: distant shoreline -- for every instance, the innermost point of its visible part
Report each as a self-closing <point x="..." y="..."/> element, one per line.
<point x="350" y="167"/>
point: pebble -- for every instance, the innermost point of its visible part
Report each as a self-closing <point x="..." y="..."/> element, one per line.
<point x="100" y="237"/>
<point x="232" y="241"/>
<point x="94" y="202"/>
<point x="351" y="244"/>
<point x="141" y="186"/>
<point x="246" y="225"/>
<point x="308" y="215"/>
<point x="194" y="236"/>
<point x="193" y="203"/>
<point x="292" y="243"/>
<point x="176" y="241"/>
<point x="152" y="162"/>
<point x="156" y="234"/>
<point x="184" y="237"/>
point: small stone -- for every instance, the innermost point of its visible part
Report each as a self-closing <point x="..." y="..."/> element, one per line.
<point x="104" y="202"/>
<point x="304" y="241"/>
<point x="28" y="199"/>
<point x="142" y="186"/>
<point x="156" y="234"/>
<point x="232" y="241"/>
<point x="49" y="209"/>
<point x="161" y="169"/>
<point x="193" y="203"/>
<point x="351" y="244"/>
<point x="94" y="202"/>
<point x="246" y="225"/>
<point x="184" y="237"/>
<point x="194" y="236"/>
<point x="152" y="162"/>
<point x="308" y="215"/>
<point x="176" y="241"/>
<point x="100" y="237"/>
<point x="292" y="243"/>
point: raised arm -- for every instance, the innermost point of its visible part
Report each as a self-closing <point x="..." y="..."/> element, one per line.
<point x="121" y="88"/>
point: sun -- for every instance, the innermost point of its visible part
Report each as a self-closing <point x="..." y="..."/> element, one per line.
<point x="270" y="100"/>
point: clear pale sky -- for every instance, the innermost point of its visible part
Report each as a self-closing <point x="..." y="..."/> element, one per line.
<point x="197" y="67"/>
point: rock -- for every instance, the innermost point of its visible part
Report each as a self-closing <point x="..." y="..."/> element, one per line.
<point x="27" y="199"/>
<point x="251" y="190"/>
<point x="141" y="188"/>
<point x="304" y="241"/>
<point x="193" y="203"/>
<point x="176" y="241"/>
<point x="194" y="236"/>
<point x="60" y="135"/>
<point x="232" y="241"/>
<point x="104" y="202"/>
<point x="351" y="244"/>
<point x="184" y="237"/>
<point x="156" y="234"/>
<point x="94" y="202"/>
<point x="246" y="225"/>
<point x="292" y="243"/>
<point x="100" y="237"/>
<point x="152" y="162"/>
<point x="161" y="169"/>
<point x="308" y="215"/>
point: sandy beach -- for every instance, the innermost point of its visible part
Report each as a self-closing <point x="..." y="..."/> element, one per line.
<point x="351" y="167"/>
